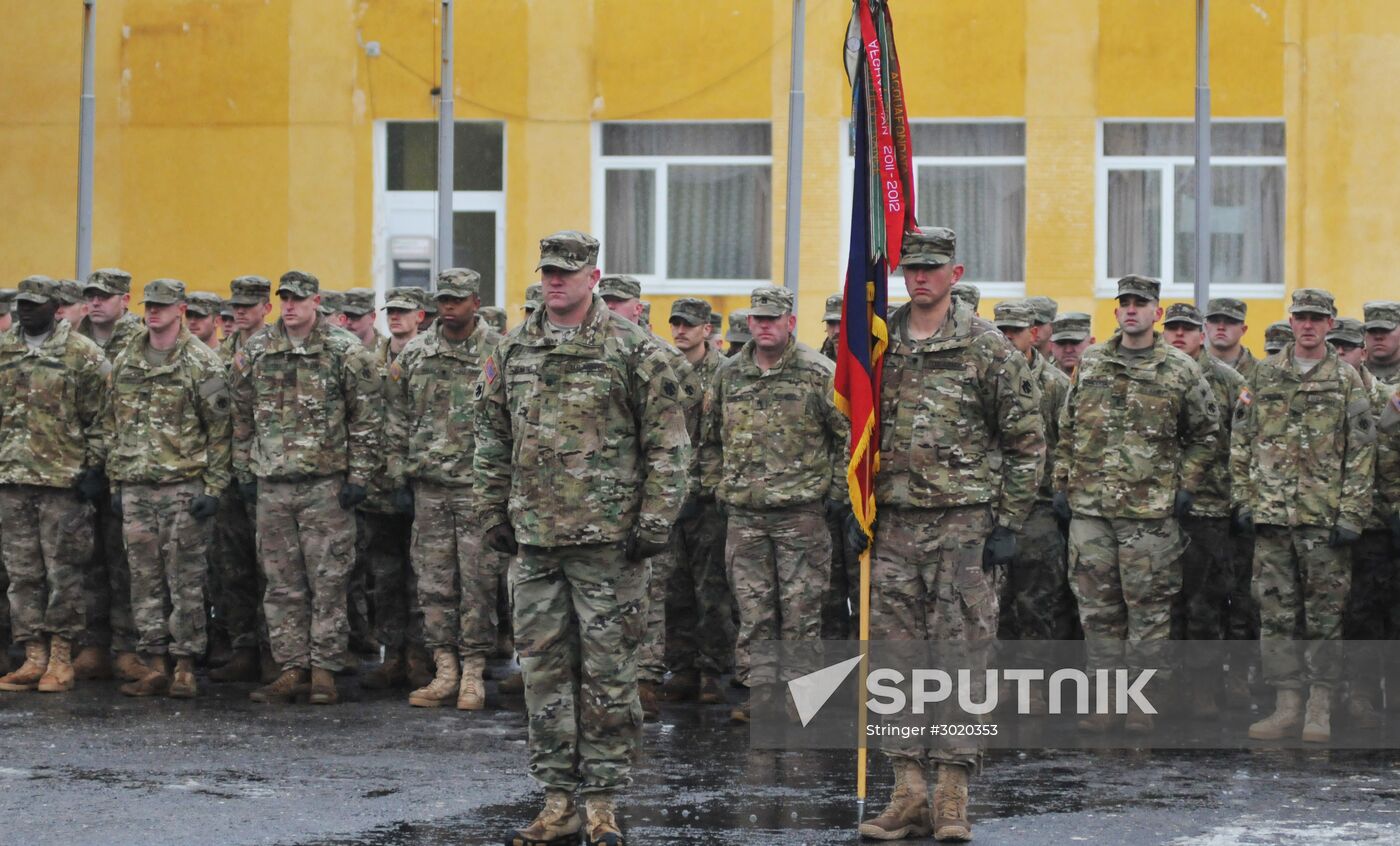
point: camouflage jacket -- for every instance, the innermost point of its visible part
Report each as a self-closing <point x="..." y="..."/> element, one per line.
<point x="1054" y="384"/>
<point x="579" y="441"/>
<point x="829" y="348"/>
<point x="1213" y="497"/>
<point x="1388" y="458"/>
<point x="1380" y="394"/>
<point x="1303" y="448"/>
<point x="773" y="439"/>
<point x="230" y="346"/>
<point x="1244" y="365"/>
<point x="692" y="396"/>
<point x="952" y="405"/>
<point x="1135" y="430"/>
<point x="433" y="389"/>
<point x="170" y="423"/>
<point x="1389" y="373"/>
<point x="305" y="412"/>
<point x="380" y="485"/>
<point x="51" y="424"/>
<point x="126" y="328"/>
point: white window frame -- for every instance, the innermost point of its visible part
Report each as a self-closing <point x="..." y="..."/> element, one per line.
<point x="659" y="282"/>
<point x="1165" y="165"/>
<point x="398" y="213"/>
<point x="990" y="289"/>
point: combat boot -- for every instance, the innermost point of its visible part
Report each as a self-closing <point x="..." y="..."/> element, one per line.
<point x="183" y="685"/>
<point x="282" y="689"/>
<point x="682" y="686"/>
<point x="93" y="663"/>
<point x="242" y="666"/>
<point x="1284" y="721"/>
<point x="646" y="692"/>
<point x="129" y="666"/>
<point x="323" y="690"/>
<point x="36" y="663"/>
<point x="907" y="813"/>
<point x="950" y="805"/>
<point x="389" y="674"/>
<point x="1237" y="696"/>
<point x="1203" y="705"/>
<point x="512" y="685"/>
<point x="4" y="657"/>
<point x="58" y="678"/>
<point x="556" y="825"/>
<point x="420" y="667"/>
<point x="154" y="682"/>
<point x="443" y="686"/>
<point x="1138" y="721"/>
<point x="711" y="691"/>
<point x="471" y="696"/>
<point x="600" y="828"/>
<point x="1099" y="723"/>
<point x="1317" y="724"/>
<point x="1363" y="714"/>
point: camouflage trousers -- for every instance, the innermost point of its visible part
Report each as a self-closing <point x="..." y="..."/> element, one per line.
<point x="700" y="627"/>
<point x="651" y="654"/>
<point x="1035" y="597"/>
<point x="168" y="552"/>
<point x="1372" y="612"/>
<point x="1207" y="572"/>
<point x="240" y="581"/>
<point x="1125" y="574"/>
<point x="4" y="598"/>
<point x="382" y="543"/>
<point x="1242" y="616"/>
<point x="927" y="583"/>
<point x="457" y="576"/>
<point x="779" y="563"/>
<point x="1301" y="585"/>
<point x="46" y="544"/>
<point x="306" y="545"/>
<point x="578" y="623"/>
<point x="107" y="584"/>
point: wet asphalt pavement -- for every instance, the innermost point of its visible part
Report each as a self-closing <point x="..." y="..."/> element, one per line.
<point x="93" y="767"/>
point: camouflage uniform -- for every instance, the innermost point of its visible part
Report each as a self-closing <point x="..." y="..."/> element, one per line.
<point x="580" y="444"/>
<point x="773" y="447"/>
<point x="170" y="442"/>
<point x="305" y="422"/>
<point x="1383" y="315"/>
<point x="50" y="430"/>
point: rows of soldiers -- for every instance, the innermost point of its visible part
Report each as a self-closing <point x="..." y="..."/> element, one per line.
<point x="657" y="510"/>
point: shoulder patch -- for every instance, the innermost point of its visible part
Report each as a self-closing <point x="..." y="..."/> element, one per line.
<point x="240" y="360"/>
<point x="489" y="369"/>
<point x="1026" y="388"/>
<point x="395" y="371"/>
<point x="668" y="387"/>
<point x="1246" y="398"/>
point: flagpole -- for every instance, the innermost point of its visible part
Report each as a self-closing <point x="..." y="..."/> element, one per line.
<point x="796" y="106"/>
<point x="1203" y="190"/>
<point x="87" y="120"/>
<point x="446" y="137"/>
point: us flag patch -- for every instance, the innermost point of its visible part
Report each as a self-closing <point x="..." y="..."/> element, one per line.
<point x="1246" y="397"/>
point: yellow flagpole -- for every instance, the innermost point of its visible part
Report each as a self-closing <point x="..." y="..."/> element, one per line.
<point x="861" y="751"/>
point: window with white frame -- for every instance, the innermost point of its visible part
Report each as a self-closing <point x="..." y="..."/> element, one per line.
<point x="685" y="207"/>
<point x="969" y="176"/>
<point x="1147" y="205"/>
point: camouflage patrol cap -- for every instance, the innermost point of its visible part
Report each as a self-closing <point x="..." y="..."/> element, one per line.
<point x="738" y="327"/>
<point x="7" y="299"/>
<point x="834" y="304"/>
<point x="427" y="303"/>
<point x="1381" y="315"/>
<point x="226" y="310"/>
<point x="203" y="304"/>
<point x="1014" y="314"/>
<point x="568" y="250"/>
<point x="770" y="301"/>
<point x="534" y="295"/>
<point x="690" y="311"/>
<point x="931" y="247"/>
<point x="37" y="289"/>
<point x="1134" y="285"/>
<point x="458" y="283"/>
<point x="408" y="298"/>
<point x="70" y="292"/>
<point x="616" y="286"/>
<point x="1226" y="307"/>
<point x="1070" y="327"/>
<point x="716" y="319"/>
<point x="163" y="292"/>
<point x="332" y="302"/>
<point x="1043" y="309"/>
<point x="1348" y="331"/>
<point x="249" y="291"/>
<point x="298" y="283"/>
<point x="493" y="316"/>
<point x="645" y="317"/>
<point x="1313" y="301"/>
<point x="966" y="292"/>
<point x="358" y="302"/>
<point x="1277" y="336"/>
<point x="109" y="281"/>
<point x="1183" y="313"/>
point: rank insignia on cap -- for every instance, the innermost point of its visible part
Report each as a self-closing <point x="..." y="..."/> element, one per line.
<point x="489" y="369"/>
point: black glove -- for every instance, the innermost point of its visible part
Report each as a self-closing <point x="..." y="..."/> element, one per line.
<point x="91" y="484"/>
<point x="1182" y="506"/>
<point x="402" y="500"/>
<point x="836" y="510"/>
<point x="248" y="492"/>
<point x="1000" y="548"/>
<point x="501" y="538"/>
<point x="204" y="506"/>
<point x="117" y="502"/>
<point x="1342" y="536"/>
<point x="1060" y="505"/>
<point x="857" y="541"/>
<point x="690" y="509"/>
<point x="640" y="548"/>
<point x="1242" y="523"/>
<point x="1394" y="523"/>
<point x="351" y="495"/>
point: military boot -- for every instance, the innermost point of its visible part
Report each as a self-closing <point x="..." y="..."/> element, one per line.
<point x="711" y="691"/>
<point x="682" y="686"/>
<point x="1284" y="721"/>
<point x="36" y="662"/>
<point x="907" y="813"/>
<point x="129" y="666"/>
<point x="183" y="685"/>
<point x="471" y="696"/>
<point x="950" y="805"/>
<point x="323" y="690"/>
<point x="556" y="825"/>
<point x="242" y="666"/>
<point x="1237" y="696"/>
<point x="1203" y="705"/>
<point x="4" y="656"/>
<point x="600" y="827"/>
<point x="58" y="678"/>
<point x="282" y="689"/>
<point x="154" y="682"/>
<point x="390" y="673"/>
<point x="420" y="667"/>
<point x="1317" y="724"/>
<point x="94" y="663"/>
<point x="1138" y="720"/>
<point x="646" y="692"/>
<point x="1363" y="714"/>
<point x="512" y="685"/>
<point x="443" y="686"/>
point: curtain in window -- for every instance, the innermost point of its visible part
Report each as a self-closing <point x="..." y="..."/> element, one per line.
<point x="719" y="223"/>
<point x="986" y="206"/>
<point x="1246" y="224"/>
<point x="1135" y="223"/>
<point x="630" y="221"/>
